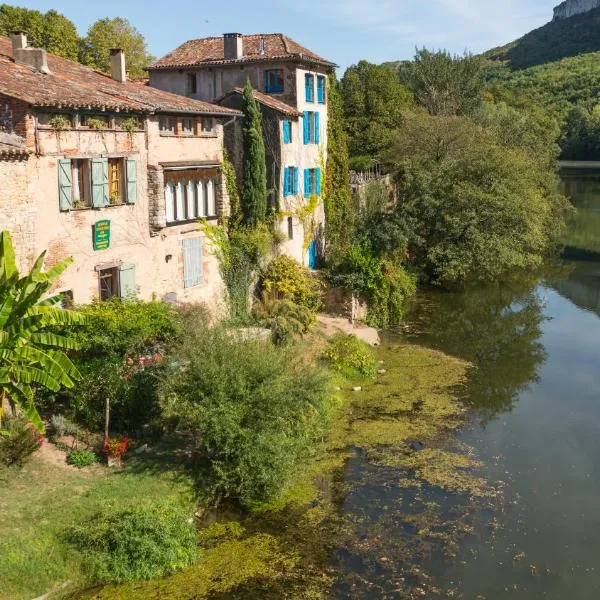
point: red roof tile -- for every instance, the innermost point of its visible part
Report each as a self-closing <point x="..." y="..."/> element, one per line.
<point x="269" y="101"/>
<point x="71" y="85"/>
<point x="210" y="51"/>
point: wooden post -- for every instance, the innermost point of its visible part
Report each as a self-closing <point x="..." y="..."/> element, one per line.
<point x="106" y="419"/>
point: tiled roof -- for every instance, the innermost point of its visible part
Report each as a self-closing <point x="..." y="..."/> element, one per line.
<point x="71" y="85"/>
<point x="12" y="146"/>
<point x="269" y="101"/>
<point x="211" y="51"/>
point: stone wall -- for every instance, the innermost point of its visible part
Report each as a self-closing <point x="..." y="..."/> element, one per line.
<point x="570" y="8"/>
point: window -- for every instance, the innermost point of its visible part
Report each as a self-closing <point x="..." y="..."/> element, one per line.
<point x="109" y="283"/>
<point x="287" y="132"/>
<point x="290" y="181"/>
<point x="95" y="122"/>
<point x="192" y="262"/>
<point x="321" y="89"/>
<point x="312" y="182"/>
<point x="190" y="194"/>
<point x="96" y="182"/>
<point x="274" y="81"/>
<point x="309" y="87"/>
<point x="312" y="128"/>
<point x="290" y="227"/>
<point x="187" y="126"/>
<point x="192" y="84"/>
<point x="207" y="125"/>
<point x="167" y="125"/>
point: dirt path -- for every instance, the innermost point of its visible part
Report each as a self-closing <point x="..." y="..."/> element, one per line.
<point x="333" y="325"/>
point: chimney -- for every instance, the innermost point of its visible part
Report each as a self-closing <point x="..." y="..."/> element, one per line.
<point x="36" y="58"/>
<point x="233" y="46"/>
<point x="117" y="65"/>
<point x="261" y="47"/>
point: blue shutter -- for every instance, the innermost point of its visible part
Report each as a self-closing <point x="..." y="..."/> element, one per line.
<point x="287" y="126"/>
<point x="192" y="262"/>
<point x="295" y="190"/>
<point x="307" y="189"/>
<point x="267" y="81"/>
<point x="127" y="286"/>
<point x="309" y="87"/>
<point x="65" y="185"/>
<point x="286" y="181"/>
<point x="99" y="182"/>
<point x="305" y="119"/>
<point x="321" y="86"/>
<point x="318" y="181"/>
<point x="317" y="129"/>
<point x="132" y="185"/>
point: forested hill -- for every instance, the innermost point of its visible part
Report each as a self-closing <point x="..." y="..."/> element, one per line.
<point x="554" y="41"/>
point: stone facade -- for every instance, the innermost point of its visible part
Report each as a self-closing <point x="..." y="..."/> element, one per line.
<point x="570" y="8"/>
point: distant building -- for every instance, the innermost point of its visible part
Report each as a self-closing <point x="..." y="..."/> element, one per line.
<point x="290" y="83"/>
<point x="113" y="173"/>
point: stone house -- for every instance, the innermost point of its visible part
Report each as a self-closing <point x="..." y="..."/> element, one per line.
<point x="112" y="173"/>
<point x="290" y="84"/>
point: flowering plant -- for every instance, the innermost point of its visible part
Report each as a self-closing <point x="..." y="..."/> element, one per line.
<point x="116" y="447"/>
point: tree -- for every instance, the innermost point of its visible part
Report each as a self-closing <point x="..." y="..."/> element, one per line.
<point x="337" y="198"/>
<point x="51" y="30"/>
<point x="107" y="33"/>
<point x="30" y="352"/>
<point x="445" y="84"/>
<point x="254" y="186"/>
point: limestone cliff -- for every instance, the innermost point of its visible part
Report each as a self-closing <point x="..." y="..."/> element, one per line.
<point x="570" y="8"/>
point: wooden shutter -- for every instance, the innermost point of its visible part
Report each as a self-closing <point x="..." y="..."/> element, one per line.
<point x="65" y="184"/>
<point x="306" y="127"/>
<point x="127" y="286"/>
<point x="287" y="132"/>
<point x="295" y="190"/>
<point x="132" y="185"/>
<point x="286" y="181"/>
<point x="318" y="181"/>
<point x="307" y="189"/>
<point x="99" y="182"/>
<point x="267" y="81"/>
<point x="192" y="262"/>
<point x="317" y="128"/>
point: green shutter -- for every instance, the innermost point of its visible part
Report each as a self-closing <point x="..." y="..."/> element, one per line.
<point x="65" y="185"/>
<point x="100" y="182"/>
<point x="132" y="184"/>
<point x="127" y="287"/>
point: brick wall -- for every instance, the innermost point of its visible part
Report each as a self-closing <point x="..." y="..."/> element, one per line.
<point x="15" y="117"/>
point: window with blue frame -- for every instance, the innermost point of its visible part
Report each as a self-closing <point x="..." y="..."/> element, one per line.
<point x="274" y="81"/>
<point x="287" y="132"/>
<point x="312" y="127"/>
<point x="309" y="87"/>
<point x="312" y="182"/>
<point x="321" y="87"/>
<point x="290" y="181"/>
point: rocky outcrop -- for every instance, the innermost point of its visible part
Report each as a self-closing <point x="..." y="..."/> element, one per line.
<point x="570" y="8"/>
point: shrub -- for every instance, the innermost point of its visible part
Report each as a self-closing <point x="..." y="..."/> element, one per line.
<point x="351" y="357"/>
<point x="285" y="319"/>
<point x="285" y="278"/>
<point x="81" y="458"/>
<point x="143" y="542"/>
<point x="253" y="409"/>
<point x="18" y="441"/>
<point x="62" y="426"/>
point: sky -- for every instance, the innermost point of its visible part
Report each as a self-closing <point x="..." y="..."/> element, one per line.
<point x="344" y="31"/>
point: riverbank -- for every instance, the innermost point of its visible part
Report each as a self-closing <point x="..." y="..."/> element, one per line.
<point x="402" y="419"/>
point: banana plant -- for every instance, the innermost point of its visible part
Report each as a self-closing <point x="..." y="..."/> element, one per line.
<point x="31" y="353"/>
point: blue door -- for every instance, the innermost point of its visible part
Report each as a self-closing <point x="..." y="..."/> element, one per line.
<point x="312" y="255"/>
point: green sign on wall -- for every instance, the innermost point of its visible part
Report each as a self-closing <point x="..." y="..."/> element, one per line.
<point x="102" y="235"/>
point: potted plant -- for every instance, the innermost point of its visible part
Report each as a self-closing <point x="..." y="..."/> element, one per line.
<point x="115" y="199"/>
<point x="114" y="449"/>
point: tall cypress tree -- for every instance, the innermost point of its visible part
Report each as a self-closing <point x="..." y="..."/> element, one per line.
<point x="254" y="187"/>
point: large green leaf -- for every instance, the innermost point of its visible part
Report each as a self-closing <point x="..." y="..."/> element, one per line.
<point x="8" y="265"/>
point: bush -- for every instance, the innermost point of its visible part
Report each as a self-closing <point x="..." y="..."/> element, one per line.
<point x="18" y="441"/>
<point x="62" y="426"/>
<point x="144" y="542"/>
<point x="285" y="278"/>
<point x="253" y="409"/>
<point x="285" y="319"/>
<point x="81" y="458"/>
<point x="351" y="357"/>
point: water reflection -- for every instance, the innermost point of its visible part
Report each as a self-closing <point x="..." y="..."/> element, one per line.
<point x="581" y="286"/>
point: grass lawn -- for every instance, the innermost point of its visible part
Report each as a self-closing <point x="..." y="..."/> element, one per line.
<point x="40" y="502"/>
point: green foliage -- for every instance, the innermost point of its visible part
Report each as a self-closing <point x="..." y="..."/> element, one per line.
<point x="373" y="101"/>
<point x="581" y="135"/>
<point x="254" y="410"/>
<point x="286" y="278"/>
<point x="60" y="123"/>
<point x="147" y="541"/>
<point x="30" y="353"/>
<point x="285" y="319"/>
<point x="81" y="458"/>
<point x="337" y="197"/>
<point x="444" y="84"/>
<point x="254" y="188"/>
<point x="351" y="357"/>
<point x="107" y="33"/>
<point x="130" y="124"/>
<point x="18" y="441"/>
<point x="50" y="30"/>
<point x="96" y="123"/>
<point x="235" y="206"/>
<point x="62" y="426"/>
<point x="474" y="206"/>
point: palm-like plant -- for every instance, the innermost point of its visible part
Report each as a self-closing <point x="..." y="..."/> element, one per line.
<point x="30" y="352"/>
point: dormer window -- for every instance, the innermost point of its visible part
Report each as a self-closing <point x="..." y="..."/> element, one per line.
<point x="274" y="81"/>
